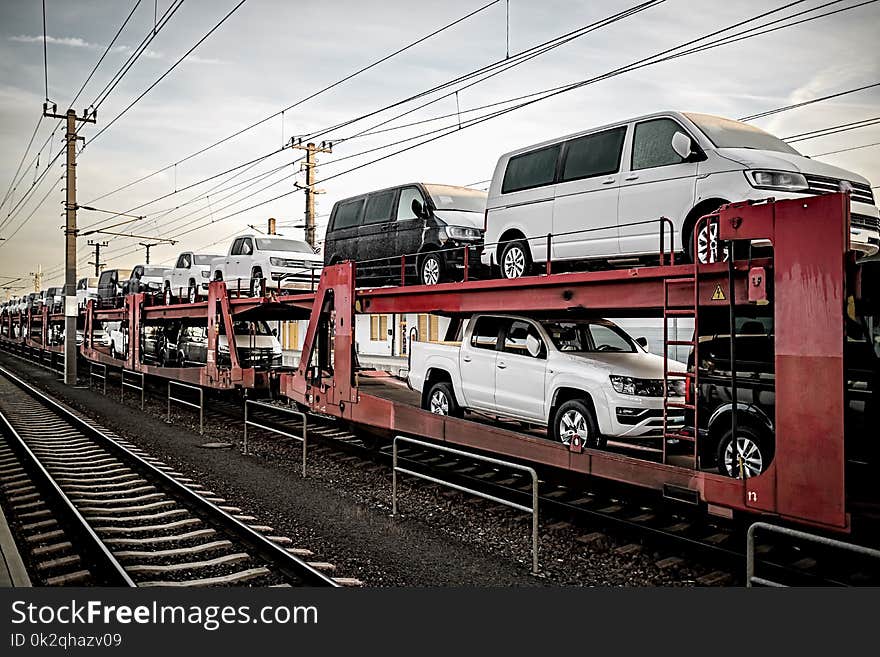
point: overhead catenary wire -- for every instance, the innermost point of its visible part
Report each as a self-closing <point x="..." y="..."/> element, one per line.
<point x="552" y="92"/>
<point x="167" y="72"/>
<point x="753" y="31"/>
<point x="846" y="150"/>
<point x="833" y="130"/>
<point x="761" y="115"/>
<point x="297" y="103"/>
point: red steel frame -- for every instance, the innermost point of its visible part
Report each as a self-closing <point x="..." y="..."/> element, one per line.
<point x="219" y="307"/>
<point x="805" y="482"/>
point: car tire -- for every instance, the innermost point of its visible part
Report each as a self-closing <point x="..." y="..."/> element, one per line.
<point x="163" y="357"/>
<point x="193" y="294"/>
<point x="169" y="298"/>
<point x="256" y="275"/>
<point x="515" y="260"/>
<point x="440" y="400"/>
<point x="756" y="449"/>
<point x="431" y="269"/>
<point x="576" y="416"/>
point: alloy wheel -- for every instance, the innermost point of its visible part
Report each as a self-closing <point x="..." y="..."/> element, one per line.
<point x="572" y="424"/>
<point x="439" y="403"/>
<point x="192" y="295"/>
<point x="430" y="271"/>
<point x="749" y="460"/>
<point x="707" y="244"/>
<point x="514" y="262"/>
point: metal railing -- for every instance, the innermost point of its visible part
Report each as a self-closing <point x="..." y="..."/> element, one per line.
<point x="185" y="402"/>
<point x="250" y="423"/>
<point x="533" y="510"/>
<point x="413" y="259"/>
<point x="794" y="533"/>
<point x="94" y="375"/>
<point x="128" y="384"/>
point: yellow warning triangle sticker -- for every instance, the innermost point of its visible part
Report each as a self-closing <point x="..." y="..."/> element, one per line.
<point x="718" y="295"/>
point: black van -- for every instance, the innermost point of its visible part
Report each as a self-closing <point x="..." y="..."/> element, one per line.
<point x="756" y="392"/>
<point x="430" y="224"/>
<point x="110" y="287"/>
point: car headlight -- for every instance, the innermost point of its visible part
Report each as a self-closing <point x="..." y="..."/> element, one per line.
<point x="276" y="350"/>
<point x="462" y="233"/>
<point x="206" y="274"/>
<point x="628" y="385"/>
<point x="276" y="262"/>
<point x="223" y="348"/>
<point x="676" y="387"/>
<point x="783" y="180"/>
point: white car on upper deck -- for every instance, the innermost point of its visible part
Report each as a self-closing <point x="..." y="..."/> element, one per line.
<point x="189" y="277"/>
<point x="283" y="263"/>
<point x="579" y="377"/>
<point x="601" y="192"/>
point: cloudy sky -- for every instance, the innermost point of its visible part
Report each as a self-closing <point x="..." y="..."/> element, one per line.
<point x="272" y="53"/>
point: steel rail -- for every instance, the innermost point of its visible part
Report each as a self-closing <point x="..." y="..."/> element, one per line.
<point x="286" y="563"/>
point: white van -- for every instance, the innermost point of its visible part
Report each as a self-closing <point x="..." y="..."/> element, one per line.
<point x="615" y="182"/>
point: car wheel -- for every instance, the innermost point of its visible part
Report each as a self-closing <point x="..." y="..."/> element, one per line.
<point x="163" y="358"/>
<point x="575" y="418"/>
<point x="431" y="269"/>
<point x="708" y="248"/>
<point x="753" y="454"/>
<point x="440" y="400"/>
<point x="256" y="276"/>
<point x="516" y="259"/>
<point x="169" y="298"/>
<point x="193" y="294"/>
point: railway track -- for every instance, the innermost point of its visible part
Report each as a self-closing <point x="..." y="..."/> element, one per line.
<point x="89" y="509"/>
<point x="596" y="512"/>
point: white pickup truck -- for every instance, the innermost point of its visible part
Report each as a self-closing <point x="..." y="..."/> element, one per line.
<point x="281" y="261"/>
<point x="189" y="277"/>
<point x="580" y="377"/>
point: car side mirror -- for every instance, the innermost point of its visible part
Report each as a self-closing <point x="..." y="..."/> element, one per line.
<point x="643" y="341"/>
<point x="682" y="145"/>
<point x="275" y="332"/>
<point x="418" y="209"/>
<point x="533" y="346"/>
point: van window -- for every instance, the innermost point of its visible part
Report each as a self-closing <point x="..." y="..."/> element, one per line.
<point x="348" y="214"/>
<point x="485" y="335"/>
<point x="404" y="205"/>
<point x="594" y="155"/>
<point x="378" y="208"/>
<point x="531" y="169"/>
<point x="652" y="144"/>
<point x="183" y="261"/>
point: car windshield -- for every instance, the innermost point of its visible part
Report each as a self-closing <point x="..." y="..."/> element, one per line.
<point x="204" y="259"/>
<point x="591" y="336"/>
<point x="154" y="271"/>
<point x="273" y="244"/>
<point x="727" y="133"/>
<point x="446" y="197"/>
<point x="246" y="328"/>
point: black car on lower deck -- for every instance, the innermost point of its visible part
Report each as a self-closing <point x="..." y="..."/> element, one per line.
<point x="431" y="225"/>
<point x="756" y="396"/>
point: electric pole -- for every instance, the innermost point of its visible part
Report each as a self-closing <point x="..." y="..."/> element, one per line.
<point x="271" y="226"/>
<point x="70" y="308"/>
<point x="98" y="264"/>
<point x="38" y="278"/>
<point x="309" y="167"/>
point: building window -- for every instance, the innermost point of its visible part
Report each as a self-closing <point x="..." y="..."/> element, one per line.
<point x="429" y="328"/>
<point x="378" y="327"/>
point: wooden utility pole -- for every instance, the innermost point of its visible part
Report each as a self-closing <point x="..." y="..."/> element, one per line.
<point x="271" y="226"/>
<point x="98" y="264"/>
<point x="70" y="308"/>
<point x="309" y="167"/>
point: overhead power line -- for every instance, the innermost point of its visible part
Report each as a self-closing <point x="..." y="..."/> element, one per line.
<point x="846" y="150"/>
<point x="298" y="102"/>
<point x="833" y="130"/>
<point x="786" y="108"/>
